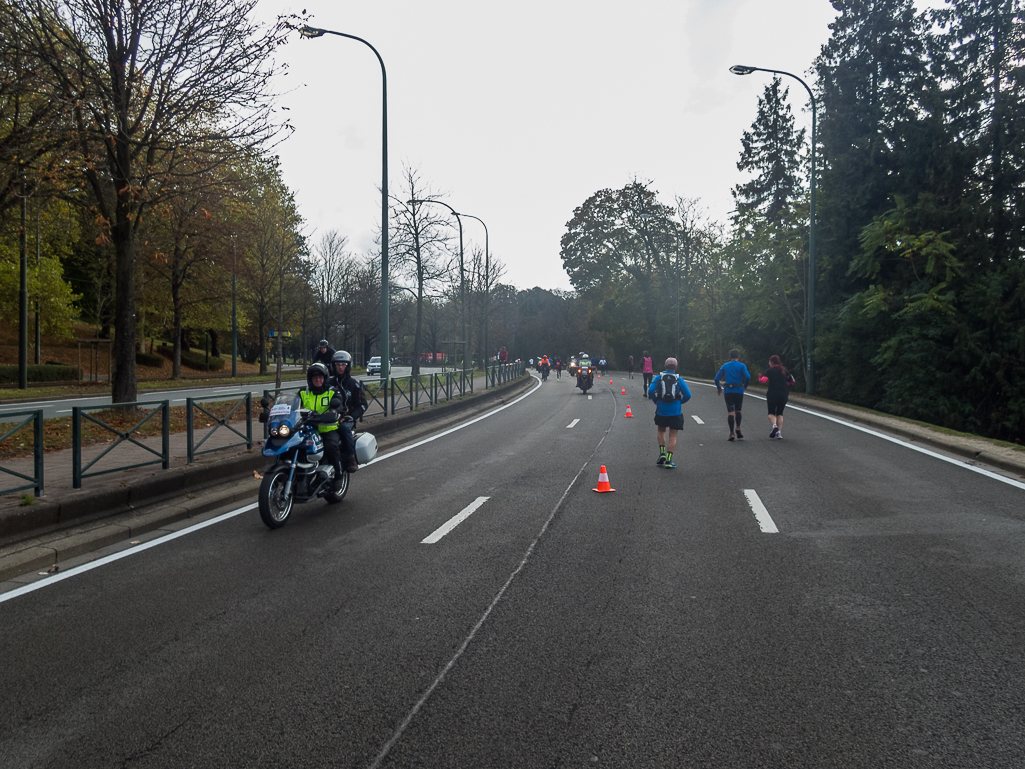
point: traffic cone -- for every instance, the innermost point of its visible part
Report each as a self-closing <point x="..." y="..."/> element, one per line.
<point x="623" y="392"/>
<point x="628" y="412"/>
<point x="610" y="382"/>
<point x="603" y="481"/>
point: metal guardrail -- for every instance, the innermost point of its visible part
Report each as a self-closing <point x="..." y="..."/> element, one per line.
<point x="35" y="481"/>
<point x="191" y="404"/>
<point x="402" y="393"/>
<point x="79" y="412"/>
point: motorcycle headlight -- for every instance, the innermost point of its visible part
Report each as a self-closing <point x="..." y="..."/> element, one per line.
<point x="283" y="431"/>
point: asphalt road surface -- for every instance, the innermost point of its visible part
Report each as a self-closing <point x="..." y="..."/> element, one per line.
<point x="473" y="603"/>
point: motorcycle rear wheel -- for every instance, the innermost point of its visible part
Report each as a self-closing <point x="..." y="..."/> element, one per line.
<point x="274" y="508"/>
<point x="333" y="498"/>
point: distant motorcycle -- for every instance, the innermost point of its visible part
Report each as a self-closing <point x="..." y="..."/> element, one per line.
<point x="299" y="473"/>
<point x="585" y="375"/>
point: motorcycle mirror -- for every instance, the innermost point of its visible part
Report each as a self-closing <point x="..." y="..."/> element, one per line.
<point x="264" y="402"/>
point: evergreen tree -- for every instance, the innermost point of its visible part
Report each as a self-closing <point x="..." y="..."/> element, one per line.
<point x="771" y="151"/>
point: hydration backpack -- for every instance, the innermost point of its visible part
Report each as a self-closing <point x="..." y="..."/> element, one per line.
<point x="668" y="388"/>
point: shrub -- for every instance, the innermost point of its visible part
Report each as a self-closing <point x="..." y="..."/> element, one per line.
<point x="193" y="359"/>
<point x="149" y="359"/>
<point x="44" y="373"/>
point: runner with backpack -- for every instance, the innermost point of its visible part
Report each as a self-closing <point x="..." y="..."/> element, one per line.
<point x="669" y="392"/>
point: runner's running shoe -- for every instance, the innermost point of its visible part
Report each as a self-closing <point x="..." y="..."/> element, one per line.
<point x="740" y="435"/>
<point x="733" y="437"/>
<point x="661" y="460"/>
<point x="670" y="464"/>
<point x="773" y="431"/>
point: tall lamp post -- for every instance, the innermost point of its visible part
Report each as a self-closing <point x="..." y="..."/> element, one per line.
<point x="487" y="295"/>
<point x="740" y="69"/>
<point x="234" y="311"/>
<point x="312" y="32"/>
<point x="462" y="272"/>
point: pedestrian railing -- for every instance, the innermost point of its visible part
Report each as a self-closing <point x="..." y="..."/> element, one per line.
<point x="195" y="404"/>
<point x="127" y="412"/>
<point x="126" y="422"/>
<point x="35" y="481"/>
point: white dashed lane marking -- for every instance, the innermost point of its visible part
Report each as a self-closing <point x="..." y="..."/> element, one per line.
<point x="572" y="424"/>
<point x="451" y="523"/>
<point x="765" y="522"/>
<point x="697" y="419"/>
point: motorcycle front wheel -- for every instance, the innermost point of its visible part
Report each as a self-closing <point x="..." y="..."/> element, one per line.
<point x="332" y="497"/>
<point x="275" y="507"/>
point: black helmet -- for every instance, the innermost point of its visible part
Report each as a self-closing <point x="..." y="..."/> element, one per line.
<point x="316" y="368"/>
<point x="341" y="357"/>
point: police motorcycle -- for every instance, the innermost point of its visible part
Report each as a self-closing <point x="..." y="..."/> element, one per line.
<point x="585" y="372"/>
<point x="300" y="472"/>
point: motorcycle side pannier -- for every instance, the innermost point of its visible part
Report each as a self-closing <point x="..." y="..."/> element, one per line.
<point x="366" y="448"/>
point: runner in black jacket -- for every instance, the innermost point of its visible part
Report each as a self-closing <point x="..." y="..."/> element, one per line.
<point x="780" y="381"/>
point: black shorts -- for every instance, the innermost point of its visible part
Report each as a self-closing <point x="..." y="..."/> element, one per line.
<point x="734" y="399"/>
<point x="673" y="423"/>
<point x="776" y="404"/>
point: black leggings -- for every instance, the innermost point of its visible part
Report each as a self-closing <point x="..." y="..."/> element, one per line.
<point x="776" y="404"/>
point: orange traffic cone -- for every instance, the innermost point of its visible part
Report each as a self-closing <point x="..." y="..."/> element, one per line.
<point x="603" y="481"/>
<point x="610" y="381"/>
<point x="628" y="412"/>
<point x="623" y="391"/>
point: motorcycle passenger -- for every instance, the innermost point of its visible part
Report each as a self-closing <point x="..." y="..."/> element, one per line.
<point x="324" y="353"/>
<point x="353" y="406"/>
<point x="322" y="399"/>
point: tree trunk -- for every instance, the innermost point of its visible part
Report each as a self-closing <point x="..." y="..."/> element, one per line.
<point x="124" y="386"/>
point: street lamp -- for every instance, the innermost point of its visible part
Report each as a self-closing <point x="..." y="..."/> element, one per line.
<point x="234" y="312"/>
<point x="311" y="32"/>
<point x="740" y="69"/>
<point x="462" y="272"/>
<point x="487" y="295"/>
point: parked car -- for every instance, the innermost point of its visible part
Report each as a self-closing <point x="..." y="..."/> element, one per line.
<point x="374" y="366"/>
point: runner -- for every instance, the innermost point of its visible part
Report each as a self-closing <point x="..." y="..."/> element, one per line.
<point x="647" y="370"/>
<point x="780" y="381"/>
<point x="668" y="410"/>
<point x="630" y="367"/>
<point x="733" y="377"/>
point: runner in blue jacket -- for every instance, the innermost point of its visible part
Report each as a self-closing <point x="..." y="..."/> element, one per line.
<point x="733" y="378"/>
<point x="668" y="415"/>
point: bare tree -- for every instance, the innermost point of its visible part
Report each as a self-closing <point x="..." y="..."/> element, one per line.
<point x="420" y="246"/>
<point x="154" y="90"/>
<point x="483" y="275"/>
<point x="331" y="277"/>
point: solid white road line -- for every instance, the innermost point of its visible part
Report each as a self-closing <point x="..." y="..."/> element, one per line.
<point x="572" y="424"/>
<point x="696" y="418"/>
<point x="61" y="576"/>
<point x="153" y="543"/>
<point x="765" y="522"/>
<point x="899" y="442"/>
<point x="454" y="521"/>
<point x="588" y="397"/>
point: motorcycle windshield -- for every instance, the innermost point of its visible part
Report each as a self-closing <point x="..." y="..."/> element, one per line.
<point x="285" y="411"/>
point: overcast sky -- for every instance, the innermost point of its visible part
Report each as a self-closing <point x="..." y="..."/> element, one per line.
<point x="518" y="112"/>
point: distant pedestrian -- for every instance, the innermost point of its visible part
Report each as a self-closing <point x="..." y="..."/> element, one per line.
<point x="780" y="381"/>
<point x="669" y="392"/>
<point x="325" y="352"/>
<point x="733" y="378"/>
<point x="558" y="368"/>
<point x="630" y="367"/>
<point x="647" y="370"/>
<point x="603" y="365"/>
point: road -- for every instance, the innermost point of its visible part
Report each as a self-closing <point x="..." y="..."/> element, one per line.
<point x="62" y="407"/>
<point x="873" y="616"/>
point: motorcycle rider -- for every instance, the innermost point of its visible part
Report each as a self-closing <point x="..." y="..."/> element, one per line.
<point x="327" y="404"/>
<point x="354" y="404"/>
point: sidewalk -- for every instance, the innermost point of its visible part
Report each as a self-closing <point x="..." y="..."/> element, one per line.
<point x="124" y="504"/>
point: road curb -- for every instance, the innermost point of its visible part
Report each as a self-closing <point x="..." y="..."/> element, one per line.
<point x="38" y="536"/>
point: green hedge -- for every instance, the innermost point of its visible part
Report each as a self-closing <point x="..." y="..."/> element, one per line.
<point x="149" y="359"/>
<point x="193" y="359"/>
<point x="45" y="373"/>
